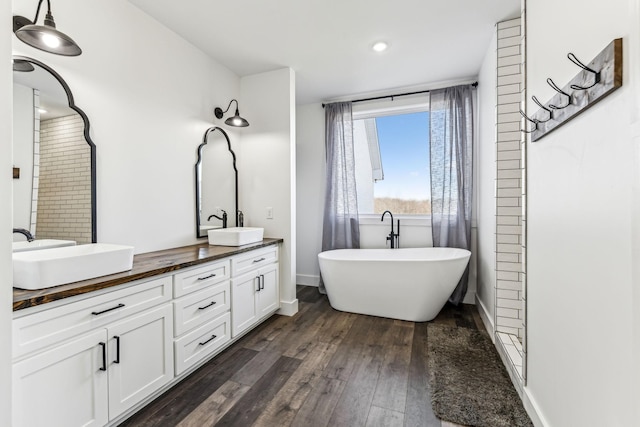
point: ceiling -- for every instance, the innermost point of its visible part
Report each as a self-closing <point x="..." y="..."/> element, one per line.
<point x="53" y="97"/>
<point x="328" y="42"/>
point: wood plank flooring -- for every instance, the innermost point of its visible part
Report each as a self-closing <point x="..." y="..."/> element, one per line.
<point x="319" y="368"/>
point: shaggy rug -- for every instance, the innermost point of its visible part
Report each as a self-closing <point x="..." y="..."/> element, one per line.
<point x="469" y="383"/>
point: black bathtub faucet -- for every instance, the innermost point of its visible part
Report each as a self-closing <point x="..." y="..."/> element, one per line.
<point x="393" y="237"/>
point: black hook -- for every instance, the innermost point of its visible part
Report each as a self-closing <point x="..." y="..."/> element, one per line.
<point x="560" y="91"/>
<point x="534" y="121"/>
<point x="596" y="74"/>
<point x="544" y="108"/>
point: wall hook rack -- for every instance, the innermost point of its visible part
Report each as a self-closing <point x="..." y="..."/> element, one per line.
<point x="596" y="74"/>
<point x="534" y="121"/>
<point x="583" y="91"/>
<point x="535" y="99"/>
<point x="555" y="87"/>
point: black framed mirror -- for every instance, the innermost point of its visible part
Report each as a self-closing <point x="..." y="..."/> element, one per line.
<point x="54" y="157"/>
<point x="216" y="184"/>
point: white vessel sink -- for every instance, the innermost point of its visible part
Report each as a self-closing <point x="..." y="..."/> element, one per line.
<point x="41" y="244"/>
<point x="51" y="267"/>
<point x="235" y="236"/>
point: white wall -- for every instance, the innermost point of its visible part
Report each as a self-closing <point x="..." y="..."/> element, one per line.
<point x="22" y="156"/>
<point x="580" y="234"/>
<point x="266" y="164"/>
<point x="149" y="96"/>
<point x="6" y="274"/>
<point x="310" y="176"/>
<point x="634" y="67"/>
<point x="414" y="232"/>
<point x="486" y="184"/>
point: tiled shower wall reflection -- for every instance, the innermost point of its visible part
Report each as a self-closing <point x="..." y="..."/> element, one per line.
<point x="509" y="182"/>
<point x="35" y="179"/>
<point x="64" y="197"/>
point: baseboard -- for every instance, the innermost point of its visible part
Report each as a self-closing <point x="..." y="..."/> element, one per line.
<point x="307" y="280"/>
<point x="486" y="319"/>
<point x="533" y="410"/>
<point x="288" y="308"/>
<point x="511" y="370"/>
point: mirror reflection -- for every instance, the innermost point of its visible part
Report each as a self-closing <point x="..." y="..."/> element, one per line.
<point x="53" y="160"/>
<point x="216" y="183"/>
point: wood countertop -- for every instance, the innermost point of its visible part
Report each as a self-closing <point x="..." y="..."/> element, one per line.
<point x="145" y="265"/>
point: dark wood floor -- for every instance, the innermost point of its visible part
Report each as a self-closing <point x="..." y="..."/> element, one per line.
<point x="321" y="367"/>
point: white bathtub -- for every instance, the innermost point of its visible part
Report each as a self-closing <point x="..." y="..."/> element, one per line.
<point x="406" y="284"/>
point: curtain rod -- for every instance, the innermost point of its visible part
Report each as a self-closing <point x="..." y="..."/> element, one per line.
<point x="474" y="84"/>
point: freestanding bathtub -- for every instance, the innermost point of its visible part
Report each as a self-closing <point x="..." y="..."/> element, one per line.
<point x="406" y="284"/>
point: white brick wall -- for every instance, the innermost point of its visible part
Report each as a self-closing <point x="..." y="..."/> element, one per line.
<point x="509" y="182"/>
<point x="64" y="196"/>
<point x="36" y="162"/>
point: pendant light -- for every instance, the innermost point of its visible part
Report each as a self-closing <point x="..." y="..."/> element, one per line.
<point x="45" y="37"/>
<point x="236" y="120"/>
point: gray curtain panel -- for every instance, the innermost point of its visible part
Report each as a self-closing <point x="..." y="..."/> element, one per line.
<point x="341" y="228"/>
<point x="451" y="151"/>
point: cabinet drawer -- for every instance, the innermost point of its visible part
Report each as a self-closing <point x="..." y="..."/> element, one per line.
<point x="197" y="278"/>
<point x="39" y="330"/>
<point x="254" y="259"/>
<point x="202" y="342"/>
<point x="199" y="307"/>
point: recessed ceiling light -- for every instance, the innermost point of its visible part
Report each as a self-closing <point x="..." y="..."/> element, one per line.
<point x="42" y="110"/>
<point x="380" y="46"/>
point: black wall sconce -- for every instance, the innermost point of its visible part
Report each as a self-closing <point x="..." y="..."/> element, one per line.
<point x="22" y="66"/>
<point x="44" y="37"/>
<point x="236" y="120"/>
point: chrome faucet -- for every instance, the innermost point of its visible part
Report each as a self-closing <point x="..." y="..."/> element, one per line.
<point x="240" y="218"/>
<point x="223" y="219"/>
<point x="393" y="237"/>
<point x="26" y="234"/>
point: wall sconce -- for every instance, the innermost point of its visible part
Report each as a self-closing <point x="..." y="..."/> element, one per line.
<point x="236" y="120"/>
<point x="44" y="37"/>
<point x="22" y="66"/>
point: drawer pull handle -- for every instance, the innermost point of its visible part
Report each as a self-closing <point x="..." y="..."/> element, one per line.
<point x="262" y="281"/>
<point x="117" y="338"/>
<point x="213" y="337"/>
<point x="98" y="313"/>
<point x="207" y="277"/>
<point x="258" y="260"/>
<point x="258" y="277"/>
<point x="104" y="356"/>
<point x="207" y="306"/>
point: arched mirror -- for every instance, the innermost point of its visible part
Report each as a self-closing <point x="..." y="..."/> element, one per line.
<point x="54" y="161"/>
<point x="216" y="183"/>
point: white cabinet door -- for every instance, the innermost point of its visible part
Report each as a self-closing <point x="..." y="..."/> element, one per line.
<point x="268" y="298"/>
<point x="64" y="386"/>
<point x="140" y="357"/>
<point x="243" y="302"/>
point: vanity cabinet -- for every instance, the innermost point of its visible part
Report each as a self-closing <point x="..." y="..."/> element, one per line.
<point x="64" y="386"/>
<point x="139" y="358"/>
<point x="95" y="359"/>
<point x="254" y="288"/>
<point x="100" y="372"/>
<point x="201" y="312"/>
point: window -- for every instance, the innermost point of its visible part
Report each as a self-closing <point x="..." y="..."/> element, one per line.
<point x="392" y="162"/>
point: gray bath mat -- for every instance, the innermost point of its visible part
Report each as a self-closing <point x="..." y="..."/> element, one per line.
<point x="469" y="383"/>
